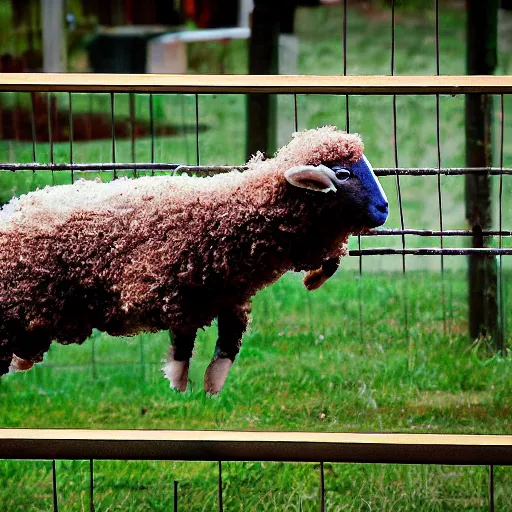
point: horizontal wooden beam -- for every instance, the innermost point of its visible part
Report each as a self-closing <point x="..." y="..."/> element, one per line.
<point x="44" y="444"/>
<point x="284" y="84"/>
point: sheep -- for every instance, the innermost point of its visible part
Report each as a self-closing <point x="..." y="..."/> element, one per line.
<point x="175" y="252"/>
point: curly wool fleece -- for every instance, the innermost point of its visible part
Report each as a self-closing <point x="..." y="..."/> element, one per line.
<point x="165" y="252"/>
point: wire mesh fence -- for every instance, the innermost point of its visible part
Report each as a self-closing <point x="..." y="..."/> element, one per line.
<point x="35" y="161"/>
<point x="240" y="483"/>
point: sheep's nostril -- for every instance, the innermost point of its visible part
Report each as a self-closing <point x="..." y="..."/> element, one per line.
<point x="383" y="208"/>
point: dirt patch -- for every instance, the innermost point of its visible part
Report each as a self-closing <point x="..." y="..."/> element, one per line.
<point x="444" y="400"/>
<point x="16" y="124"/>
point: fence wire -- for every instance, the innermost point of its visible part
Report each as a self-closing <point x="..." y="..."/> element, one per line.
<point x="138" y="168"/>
<point x="322" y="494"/>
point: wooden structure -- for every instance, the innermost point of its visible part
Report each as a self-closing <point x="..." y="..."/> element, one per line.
<point x="168" y="53"/>
<point x="274" y="84"/>
<point x="255" y="446"/>
<point x="482" y="44"/>
<point x="221" y="446"/>
<point x="54" y="40"/>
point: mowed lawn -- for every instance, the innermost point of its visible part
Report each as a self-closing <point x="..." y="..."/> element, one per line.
<point x="307" y="363"/>
<point x="375" y="352"/>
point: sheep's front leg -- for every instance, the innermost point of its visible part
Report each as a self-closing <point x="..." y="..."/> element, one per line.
<point x="178" y="362"/>
<point x="231" y="324"/>
<point x="317" y="278"/>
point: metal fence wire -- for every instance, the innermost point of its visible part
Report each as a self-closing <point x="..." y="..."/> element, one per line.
<point x="392" y="86"/>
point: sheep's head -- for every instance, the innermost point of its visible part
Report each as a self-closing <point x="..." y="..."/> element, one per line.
<point x="331" y="162"/>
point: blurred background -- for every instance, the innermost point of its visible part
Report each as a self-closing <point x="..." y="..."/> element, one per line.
<point x="385" y="345"/>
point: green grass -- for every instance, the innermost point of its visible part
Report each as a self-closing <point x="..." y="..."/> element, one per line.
<point x="309" y="362"/>
<point x="304" y="357"/>
<point x="303" y="366"/>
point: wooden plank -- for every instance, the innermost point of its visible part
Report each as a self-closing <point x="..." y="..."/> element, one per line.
<point x="290" y="84"/>
<point x="46" y="444"/>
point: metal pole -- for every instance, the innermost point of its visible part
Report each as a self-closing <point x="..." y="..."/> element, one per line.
<point x="263" y="60"/>
<point x="482" y="21"/>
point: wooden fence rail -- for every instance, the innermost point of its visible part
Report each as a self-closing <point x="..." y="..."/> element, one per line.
<point x="255" y="446"/>
<point x="277" y="84"/>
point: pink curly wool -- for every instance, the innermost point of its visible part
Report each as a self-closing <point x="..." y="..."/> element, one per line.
<point x="165" y="252"/>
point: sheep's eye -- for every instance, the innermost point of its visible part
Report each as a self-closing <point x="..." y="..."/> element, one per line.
<point x="341" y="173"/>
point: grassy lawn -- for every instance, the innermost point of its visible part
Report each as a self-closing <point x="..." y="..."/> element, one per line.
<point x="306" y="364"/>
<point x="339" y="359"/>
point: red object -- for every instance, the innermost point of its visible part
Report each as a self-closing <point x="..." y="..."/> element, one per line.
<point x="200" y="11"/>
<point x="190" y="9"/>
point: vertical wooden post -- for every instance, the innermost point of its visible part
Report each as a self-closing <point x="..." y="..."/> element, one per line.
<point x="263" y="60"/>
<point x="54" y="40"/>
<point x="244" y="11"/>
<point x="482" y="21"/>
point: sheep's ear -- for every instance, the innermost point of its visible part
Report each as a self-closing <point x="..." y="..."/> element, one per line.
<point x="318" y="178"/>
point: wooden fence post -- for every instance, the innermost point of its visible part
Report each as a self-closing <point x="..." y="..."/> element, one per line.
<point x="263" y="60"/>
<point x="482" y="20"/>
<point x="54" y="38"/>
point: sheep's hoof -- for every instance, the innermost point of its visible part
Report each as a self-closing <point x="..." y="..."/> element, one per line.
<point x="216" y="374"/>
<point x="177" y="374"/>
<point x="19" y="365"/>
